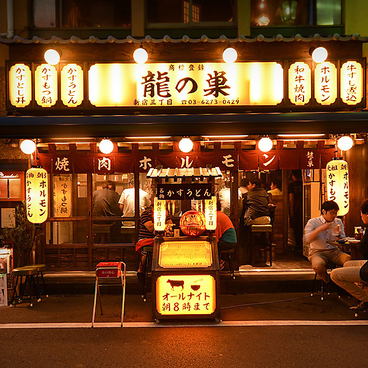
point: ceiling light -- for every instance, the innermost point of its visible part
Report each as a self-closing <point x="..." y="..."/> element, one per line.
<point x="140" y="55"/>
<point x="52" y="57"/>
<point x="229" y="55"/>
<point x="319" y="54"/>
<point x="345" y="143"/>
<point x="308" y="135"/>
<point x="265" y="144"/>
<point x="106" y="146"/>
<point x="185" y="145"/>
<point x="28" y="146"/>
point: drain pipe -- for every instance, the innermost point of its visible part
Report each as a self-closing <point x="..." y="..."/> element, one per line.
<point x="10" y="16"/>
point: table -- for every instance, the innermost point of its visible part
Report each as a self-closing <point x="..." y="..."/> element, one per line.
<point x="351" y="244"/>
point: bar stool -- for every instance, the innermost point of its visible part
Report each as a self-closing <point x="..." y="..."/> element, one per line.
<point x="227" y="254"/>
<point x="148" y="251"/>
<point x="30" y="274"/>
<point x="256" y="231"/>
<point x="329" y="268"/>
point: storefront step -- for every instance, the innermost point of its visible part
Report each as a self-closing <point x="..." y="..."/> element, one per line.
<point x="250" y="281"/>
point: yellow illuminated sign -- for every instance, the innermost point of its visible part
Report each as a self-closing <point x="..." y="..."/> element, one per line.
<point x="351" y="82"/>
<point x="196" y="84"/>
<point x="37" y="195"/>
<point x="46" y="85"/>
<point x="300" y="90"/>
<point x="159" y="214"/>
<point x="210" y="213"/>
<point x="185" y="254"/>
<point x="337" y="178"/>
<point x="325" y="83"/>
<point x="72" y="85"/>
<point x="185" y="295"/>
<point x="20" y="85"/>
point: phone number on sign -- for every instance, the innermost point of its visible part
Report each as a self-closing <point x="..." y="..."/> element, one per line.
<point x="211" y="102"/>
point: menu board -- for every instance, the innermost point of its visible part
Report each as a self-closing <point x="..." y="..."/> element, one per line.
<point x="185" y="254"/>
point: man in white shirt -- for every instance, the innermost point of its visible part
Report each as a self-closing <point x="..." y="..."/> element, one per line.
<point x="126" y="202"/>
<point x="321" y="233"/>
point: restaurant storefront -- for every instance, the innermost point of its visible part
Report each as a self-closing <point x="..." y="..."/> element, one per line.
<point x="185" y="89"/>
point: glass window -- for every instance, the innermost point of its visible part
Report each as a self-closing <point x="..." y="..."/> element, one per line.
<point x="295" y="12"/>
<point x="82" y="13"/>
<point x="190" y="11"/>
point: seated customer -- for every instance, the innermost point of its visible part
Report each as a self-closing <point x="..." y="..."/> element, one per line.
<point x="321" y="232"/>
<point x="146" y="235"/>
<point x="225" y="234"/>
<point x="356" y="271"/>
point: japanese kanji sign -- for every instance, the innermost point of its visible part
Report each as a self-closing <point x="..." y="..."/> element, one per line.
<point x="159" y="213"/>
<point x="72" y="85"/>
<point x="337" y="182"/>
<point x="46" y="85"/>
<point x="36" y="195"/>
<point x="20" y="90"/>
<point x="196" y="84"/>
<point x="62" y="195"/>
<point x="351" y="82"/>
<point x="185" y="294"/>
<point x="300" y="90"/>
<point x="184" y="191"/>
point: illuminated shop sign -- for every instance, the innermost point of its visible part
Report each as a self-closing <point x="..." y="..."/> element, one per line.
<point x="37" y="195"/>
<point x="338" y="184"/>
<point x="62" y="195"/>
<point x="46" y="85"/>
<point x="300" y="90"/>
<point x="351" y="82"/>
<point x="185" y="84"/>
<point x="20" y="94"/>
<point x="325" y="83"/>
<point x="185" y="295"/>
<point x="72" y="85"/>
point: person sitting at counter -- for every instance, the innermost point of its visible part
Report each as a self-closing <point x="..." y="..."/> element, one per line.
<point x="225" y="234"/>
<point x="321" y="232"/>
<point x="356" y="271"/>
<point x="146" y="235"/>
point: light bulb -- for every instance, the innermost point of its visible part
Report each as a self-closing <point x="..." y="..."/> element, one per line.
<point x="265" y="144"/>
<point x="229" y="55"/>
<point x="140" y="55"/>
<point x="319" y="55"/>
<point x="185" y="145"/>
<point x="52" y="57"/>
<point x="28" y="146"/>
<point x="345" y="143"/>
<point x="106" y="146"/>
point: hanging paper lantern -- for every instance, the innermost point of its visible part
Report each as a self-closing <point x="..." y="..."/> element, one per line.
<point x="36" y="195"/>
<point x="192" y="223"/>
<point x="337" y="177"/>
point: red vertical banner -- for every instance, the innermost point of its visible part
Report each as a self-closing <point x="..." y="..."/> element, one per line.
<point x="248" y="160"/>
<point x="268" y="160"/>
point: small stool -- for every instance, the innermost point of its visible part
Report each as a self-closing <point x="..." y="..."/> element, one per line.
<point x="30" y="274"/>
<point x="329" y="267"/>
<point x="228" y="253"/>
<point x="259" y="230"/>
<point x="107" y="274"/>
<point x="148" y="251"/>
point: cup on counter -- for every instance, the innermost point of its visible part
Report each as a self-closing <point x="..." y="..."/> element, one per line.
<point x="358" y="232"/>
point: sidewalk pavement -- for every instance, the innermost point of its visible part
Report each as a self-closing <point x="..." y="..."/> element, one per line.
<point x="267" y="308"/>
<point x="255" y="294"/>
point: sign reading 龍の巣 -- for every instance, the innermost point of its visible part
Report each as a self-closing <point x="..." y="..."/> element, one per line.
<point x="112" y="85"/>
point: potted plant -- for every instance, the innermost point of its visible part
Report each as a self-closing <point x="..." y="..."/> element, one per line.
<point x="23" y="236"/>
